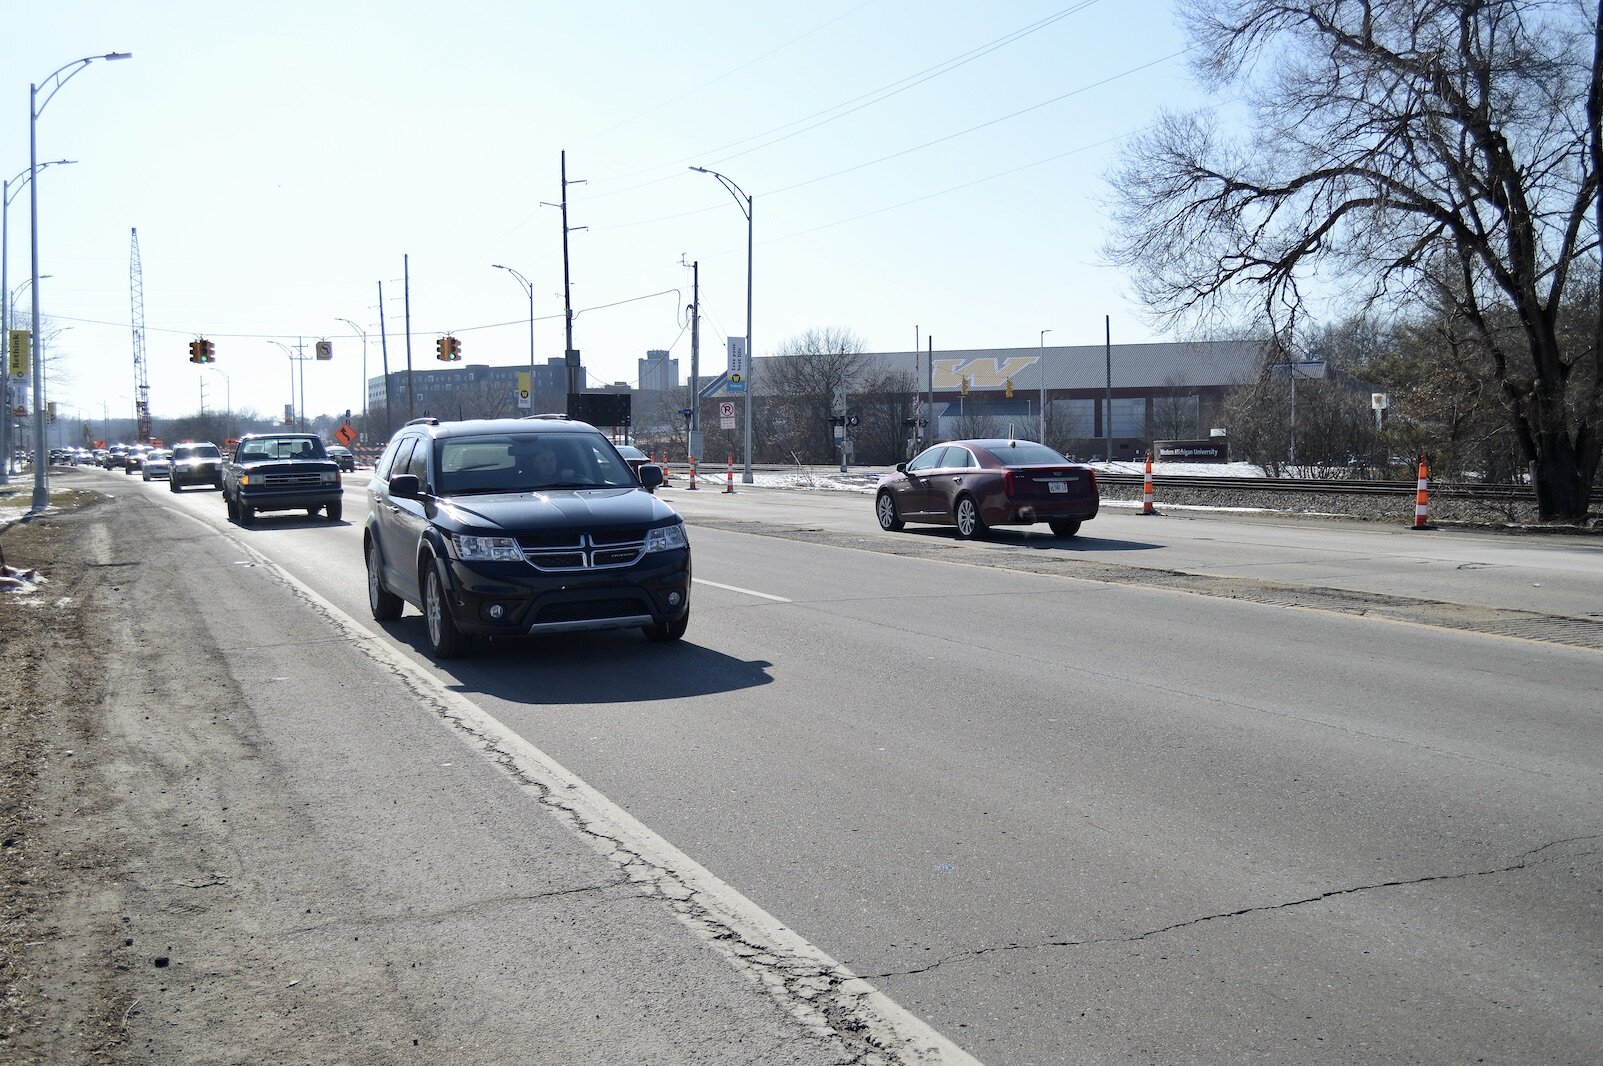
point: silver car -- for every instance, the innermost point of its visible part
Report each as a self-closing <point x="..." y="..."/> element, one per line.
<point x="157" y="465"/>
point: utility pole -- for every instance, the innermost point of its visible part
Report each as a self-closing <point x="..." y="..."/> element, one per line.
<point x="695" y="359"/>
<point x="406" y="282"/>
<point x="570" y="356"/>
<point x="384" y="353"/>
<point x="1107" y="351"/>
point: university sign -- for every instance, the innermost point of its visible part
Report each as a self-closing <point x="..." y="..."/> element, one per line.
<point x="981" y="373"/>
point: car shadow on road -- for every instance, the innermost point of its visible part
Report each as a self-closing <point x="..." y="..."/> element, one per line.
<point x="1036" y="540"/>
<point x="617" y="666"/>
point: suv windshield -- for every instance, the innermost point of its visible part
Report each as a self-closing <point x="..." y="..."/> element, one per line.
<point x="196" y="451"/>
<point x="523" y="462"/>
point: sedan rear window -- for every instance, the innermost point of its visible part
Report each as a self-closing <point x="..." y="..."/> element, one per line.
<point x="1028" y="453"/>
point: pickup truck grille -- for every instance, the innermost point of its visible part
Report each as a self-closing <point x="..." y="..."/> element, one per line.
<point x="272" y="480"/>
<point x="584" y="551"/>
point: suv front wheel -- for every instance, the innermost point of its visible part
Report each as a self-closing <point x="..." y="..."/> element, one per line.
<point x="669" y="630"/>
<point x="445" y="640"/>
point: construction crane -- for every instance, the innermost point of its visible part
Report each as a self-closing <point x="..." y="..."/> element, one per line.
<point x="136" y="286"/>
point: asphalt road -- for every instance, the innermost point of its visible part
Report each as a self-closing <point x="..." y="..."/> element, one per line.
<point x="1066" y="820"/>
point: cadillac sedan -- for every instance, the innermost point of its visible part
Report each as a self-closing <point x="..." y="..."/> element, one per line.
<point x="973" y="485"/>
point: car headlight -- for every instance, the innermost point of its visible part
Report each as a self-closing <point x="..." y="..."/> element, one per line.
<point x="666" y="538"/>
<point x="485" y="549"/>
<point x="331" y="477"/>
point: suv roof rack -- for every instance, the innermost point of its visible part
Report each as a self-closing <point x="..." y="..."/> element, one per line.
<point x="554" y="416"/>
<point x="426" y="420"/>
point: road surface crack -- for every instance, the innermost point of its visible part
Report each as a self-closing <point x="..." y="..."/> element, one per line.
<point x="1525" y="861"/>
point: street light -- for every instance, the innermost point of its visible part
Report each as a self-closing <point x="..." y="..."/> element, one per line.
<point x="41" y="487"/>
<point x="529" y="289"/>
<point x="7" y="194"/>
<point x="751" y="352"/>
<point x="363" y="332"/>
<point x="1040" y="366"/>
<point x="228" y="397"/>
<point x="298" y="422"/>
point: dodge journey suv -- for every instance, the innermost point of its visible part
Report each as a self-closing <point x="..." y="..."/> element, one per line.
<point x="510" y="527"/>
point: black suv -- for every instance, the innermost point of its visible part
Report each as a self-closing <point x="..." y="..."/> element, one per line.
<point x="517" y="526"/>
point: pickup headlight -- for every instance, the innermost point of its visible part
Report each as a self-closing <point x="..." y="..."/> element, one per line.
<point x="331" y="477"/>
<point x="485" y="549"/>
<point x="666" y="538"/>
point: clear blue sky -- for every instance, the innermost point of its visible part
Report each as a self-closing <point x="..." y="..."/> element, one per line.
<point x="917" y="164"/>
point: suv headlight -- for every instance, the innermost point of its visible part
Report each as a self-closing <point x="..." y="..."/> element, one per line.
<point x="485" y="549"/>
<point x="666" y="538"/>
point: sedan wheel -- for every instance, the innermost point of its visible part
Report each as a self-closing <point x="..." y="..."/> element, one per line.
<point x="445" y="639"/>
<point x="1068" y="527"/>
<point x="385" y="605"/>
<point x="966" y="516"/>
<point x="885" y="511"/>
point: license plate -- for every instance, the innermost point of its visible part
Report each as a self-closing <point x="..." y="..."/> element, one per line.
<point x="1057" y="486"/>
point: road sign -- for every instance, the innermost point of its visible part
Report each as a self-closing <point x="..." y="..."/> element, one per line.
<point x="726" y="415"/>
<point x="346" y="434"/>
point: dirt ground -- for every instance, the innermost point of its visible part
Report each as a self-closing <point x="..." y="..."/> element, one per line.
<point x="60" y="996"/>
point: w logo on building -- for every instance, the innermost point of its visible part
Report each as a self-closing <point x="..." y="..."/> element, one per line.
<point x="992" y="373"/>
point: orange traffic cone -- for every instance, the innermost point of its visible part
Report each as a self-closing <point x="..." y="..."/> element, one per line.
<point x="731" y="487"/>
<point x="692" y="486"/>
<point x="1422" y="497"/>
<point x="1146" y="489"/>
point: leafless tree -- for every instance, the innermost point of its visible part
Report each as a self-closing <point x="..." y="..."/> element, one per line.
<point x="799" y="387"/>
<point x="1390" y="137"/>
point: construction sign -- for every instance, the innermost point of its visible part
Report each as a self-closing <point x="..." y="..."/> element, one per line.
<point x="346" y="434"/>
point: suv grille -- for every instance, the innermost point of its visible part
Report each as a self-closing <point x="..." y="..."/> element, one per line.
<point x="584" y="551"/>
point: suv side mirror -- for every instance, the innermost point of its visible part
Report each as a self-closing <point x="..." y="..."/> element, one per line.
<point x="406" y="487"/>
<point x="650" y="475"/>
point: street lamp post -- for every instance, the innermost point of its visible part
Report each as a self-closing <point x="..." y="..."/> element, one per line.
<point x="7" y="194"/>
<point x="751" y="352"/>
<point x="1041" y="368"/>
<point x="228" y="398"/>
<point x="363" y="332"/>
<point x="298" y="421"/>
<point x="528" y="287"/>
<point x="41" y="486"/>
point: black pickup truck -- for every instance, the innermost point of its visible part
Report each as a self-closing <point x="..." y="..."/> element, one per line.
<point x="281" y="472"/>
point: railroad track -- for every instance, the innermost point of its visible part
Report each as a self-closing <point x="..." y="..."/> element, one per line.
<point x="1467" y="490"/>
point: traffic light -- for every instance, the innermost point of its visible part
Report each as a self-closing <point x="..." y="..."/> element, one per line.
<point x="964" y="388"/>
<point x="209" y="351"/>
<point x="442" y="351"/>
<point x="200" y="351"/>
<point x="456" y="347"/>
<point x="1007" y="388"/>
<point x="195" y="351"/>
<point x="448" y="349"/>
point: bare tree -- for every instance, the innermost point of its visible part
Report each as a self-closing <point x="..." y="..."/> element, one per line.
<point x="1391" y="136"/>
<point x="799" y="387"/>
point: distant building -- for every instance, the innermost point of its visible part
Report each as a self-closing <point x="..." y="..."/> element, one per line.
<point x="450" y="391"/>
<point x="657" y="372"/>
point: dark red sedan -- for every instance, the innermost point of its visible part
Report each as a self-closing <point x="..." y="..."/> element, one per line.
<point x="976" y="484"/>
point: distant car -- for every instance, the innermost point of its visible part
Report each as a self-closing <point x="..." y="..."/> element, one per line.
<point x="973" y="485"/>
<point x="157" y="466"/>
<point x="134" y="458"/>
<point x="115" y="456"/>
<point x="195" y="463"/>
<point x="636" y="459"/>
<point x="343" y="456"/>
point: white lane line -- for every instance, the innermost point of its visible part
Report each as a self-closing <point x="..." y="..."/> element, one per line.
<point x="743" y="592"/>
